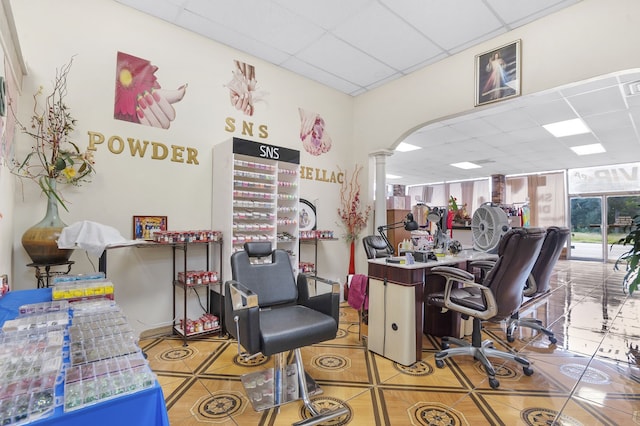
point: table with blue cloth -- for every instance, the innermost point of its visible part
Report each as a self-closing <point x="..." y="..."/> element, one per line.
<point x="145" y="407"/>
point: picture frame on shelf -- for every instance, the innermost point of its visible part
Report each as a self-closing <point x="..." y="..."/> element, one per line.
<point x="4" y="284"/>
<point x="307" y="220"/>
<point x="145" y="226"/>
<point x="497" y="74"/>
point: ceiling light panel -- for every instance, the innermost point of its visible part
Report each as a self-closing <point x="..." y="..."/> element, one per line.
<point x="595" y="148"/>
<point x="564" y="128"/>
<point x="406" y="147"/>
<point x="465" y="165"/>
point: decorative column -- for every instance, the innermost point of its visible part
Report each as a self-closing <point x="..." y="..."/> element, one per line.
<point x="380" y="205"/>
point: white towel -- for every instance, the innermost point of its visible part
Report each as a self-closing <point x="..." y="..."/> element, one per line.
<point x="91" y="236"/>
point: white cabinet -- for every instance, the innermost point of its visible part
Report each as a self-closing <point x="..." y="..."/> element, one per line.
<point x="392" y="321"/>
<point x="255" y="196"/>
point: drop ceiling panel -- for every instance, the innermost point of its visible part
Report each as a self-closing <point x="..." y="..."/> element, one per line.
<point x="327" y="14"/>
<point x="511" y="11"/>
<point x="381" y="34"/>
<point x="337" y="57"/>
<point x="299" y="67"/>
<point x="447" y="23"/>
<point x="592" y="103"/>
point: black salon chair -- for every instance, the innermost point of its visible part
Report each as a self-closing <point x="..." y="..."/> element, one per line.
<point x="538" y="283"/>
<point x="375" y="246"/>
<point x="270" y="312"/>
<point x="497" y="298"/>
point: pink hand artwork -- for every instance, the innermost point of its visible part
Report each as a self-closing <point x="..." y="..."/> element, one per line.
<point x="139" y="96"/>
<point x="243" y="92"/>
<point x="315" y="139"/>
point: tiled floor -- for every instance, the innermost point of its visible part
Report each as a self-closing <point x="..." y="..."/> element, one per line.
<point x="590" y="377"/>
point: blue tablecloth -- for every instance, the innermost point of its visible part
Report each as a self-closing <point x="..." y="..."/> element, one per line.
<point x="146" y="407"/>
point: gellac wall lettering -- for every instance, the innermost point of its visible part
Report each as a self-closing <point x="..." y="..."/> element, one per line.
<point x="321" y="175"/>
<point x="136" y="148"/>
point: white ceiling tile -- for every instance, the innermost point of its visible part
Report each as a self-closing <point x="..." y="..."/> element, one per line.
<point x="265" y="21"/>
<point x="336" y="57"/>
<point x="515" y="10"/>
<point x="511" y="120"/>
<point x="398" y="45"/>
<point x="300" y="67"/>
<point x="592" y="103"/>
<point x="550" y="112"/>
<point x="447" y="23"/>
<point x="327" y="14"/>
<point x="230" y="37"/>
<point x="542" y="13"/>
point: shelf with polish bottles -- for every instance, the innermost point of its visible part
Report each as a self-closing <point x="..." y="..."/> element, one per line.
<point x="254" y="202"/>
<point x="287" y="211"/>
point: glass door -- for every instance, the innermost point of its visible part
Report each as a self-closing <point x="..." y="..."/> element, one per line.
<point x="620" y="212"/>
<point x="587" y="240"/>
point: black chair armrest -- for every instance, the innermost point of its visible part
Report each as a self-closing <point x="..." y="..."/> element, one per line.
<point x="327" y="300"/>
<point x="455" y="275"/>
<point x="242" y="315"/>
<point x="485" y="265"/>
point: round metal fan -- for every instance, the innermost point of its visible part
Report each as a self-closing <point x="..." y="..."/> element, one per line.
<point x="488" y="224"/>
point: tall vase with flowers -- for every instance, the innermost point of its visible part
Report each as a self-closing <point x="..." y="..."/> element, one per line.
<point x="353" y="215"/>
<point x="54" y="160"/>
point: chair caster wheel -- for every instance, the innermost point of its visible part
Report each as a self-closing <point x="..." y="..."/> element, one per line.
<point x="553" y="340"/>
<point x="527" y="371"/>
<point x="444" y="346"/>
<point x="494" y="383"/>
<point x="511" y="339"/>
<point x="439" y="363"/>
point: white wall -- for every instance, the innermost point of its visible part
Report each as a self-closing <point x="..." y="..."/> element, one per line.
<point x="94" y="31"/>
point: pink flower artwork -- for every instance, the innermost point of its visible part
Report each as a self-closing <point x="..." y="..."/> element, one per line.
<point x="313" y="135"/>
<point x="139" y="97"/>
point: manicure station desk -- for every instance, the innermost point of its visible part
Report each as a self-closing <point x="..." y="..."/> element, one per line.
<point x="397" y="314"/>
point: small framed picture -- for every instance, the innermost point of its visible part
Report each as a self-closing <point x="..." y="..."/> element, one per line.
<point x="306" y="215"/>
<point x="145" y="226"/>
<point x="498" y="74"/>
<point x="4" y="284"/>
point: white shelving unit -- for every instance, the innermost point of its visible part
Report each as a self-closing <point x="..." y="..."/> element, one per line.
<point x="255" y="196"/>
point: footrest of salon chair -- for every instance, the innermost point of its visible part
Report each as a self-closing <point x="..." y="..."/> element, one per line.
<point x="264" y="392"/>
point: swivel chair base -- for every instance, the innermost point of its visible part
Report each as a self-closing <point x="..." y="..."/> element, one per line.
<point x="532" y="323"/>
<point x="480" y="351"/>
<point x="283" y="384"/>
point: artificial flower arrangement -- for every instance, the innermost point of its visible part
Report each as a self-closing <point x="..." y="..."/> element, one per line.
<point x="353" y="216"/>
<point x="54" y="157"/>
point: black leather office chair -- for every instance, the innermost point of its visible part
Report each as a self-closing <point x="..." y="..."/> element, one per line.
<point x="538" y="282"/>
<point x="375" y="246"/>
<point x="269" y="312"/>
<point x="497" y="298"/>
